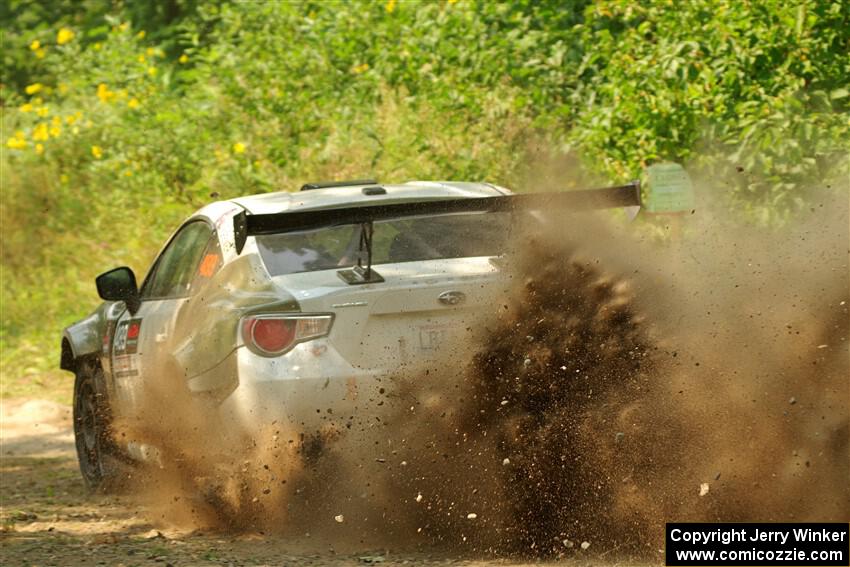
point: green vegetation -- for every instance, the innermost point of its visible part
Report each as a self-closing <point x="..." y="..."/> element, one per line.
<point x="119" y="121"/>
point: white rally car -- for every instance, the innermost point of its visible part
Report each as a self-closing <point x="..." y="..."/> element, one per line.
<point x="284" y="307"/>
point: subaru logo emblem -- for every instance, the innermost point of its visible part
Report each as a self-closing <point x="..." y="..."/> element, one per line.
<point x="452" y="297"/>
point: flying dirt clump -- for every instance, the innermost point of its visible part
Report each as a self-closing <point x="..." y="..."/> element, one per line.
<point x="568" y="360"/>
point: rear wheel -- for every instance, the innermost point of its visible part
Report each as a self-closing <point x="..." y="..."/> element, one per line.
<point x="91" y="428"/>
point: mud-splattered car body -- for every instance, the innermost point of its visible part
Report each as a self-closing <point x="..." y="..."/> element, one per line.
<point x="289" y="307"/>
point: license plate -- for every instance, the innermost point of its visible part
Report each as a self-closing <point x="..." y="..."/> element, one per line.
<point x="431" y="337"/>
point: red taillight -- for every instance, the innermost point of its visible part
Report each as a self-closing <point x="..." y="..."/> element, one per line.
<point x="274" y="335"/>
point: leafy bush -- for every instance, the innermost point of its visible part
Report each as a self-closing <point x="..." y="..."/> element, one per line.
<point x="759" y="88"/>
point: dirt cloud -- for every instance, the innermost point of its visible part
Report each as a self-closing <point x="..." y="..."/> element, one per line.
<point x="624" y="384"/>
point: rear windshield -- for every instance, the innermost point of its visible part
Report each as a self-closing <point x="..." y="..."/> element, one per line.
<point x="402" y="240"/>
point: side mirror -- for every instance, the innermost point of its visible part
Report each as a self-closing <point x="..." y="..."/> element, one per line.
<point x="119" y="285"/>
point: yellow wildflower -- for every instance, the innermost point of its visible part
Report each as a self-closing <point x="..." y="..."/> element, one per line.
<point x="55" y="131"/>
<point x="133" y="103"/>
<point x="141" y="58"/>
<point x="70" y="119"/>
<point x="128" y="173"/>
<point x="124" y="26"/>
<point x="150" y="52"/>
<point x="104" y="94"/>
<point x="63" y="178"/>
<point x="42" y="111"/>
<point x="239" y="148"/>
<point x="152" y="71"/>
<point x="40" y="133"/>
<point x="26" y="107"/>
<point x="18" y="142"/>
<point x="39" y="149"/>
<point x="78" y="115"/>
<point x="33" y="88"/>
<point x="362" y="68"/>
<point x="35" y="45"/>
<point x="390" y="7"/>
<point x="56" y="121"/>
<point x="97" y="152"/>
<point x="141" y="35"/>
<point x="184" y="59"/>
<point x="97" y="46"/>
<point x="64" y="36"/>
<point x="41" y="53"/>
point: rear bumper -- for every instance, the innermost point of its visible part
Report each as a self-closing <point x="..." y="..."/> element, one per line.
<point x="311" y="389"/>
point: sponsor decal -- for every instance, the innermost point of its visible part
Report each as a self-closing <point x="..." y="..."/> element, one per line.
<point x="124" y="366"/>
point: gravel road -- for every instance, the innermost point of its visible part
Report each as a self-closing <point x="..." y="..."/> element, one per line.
<point x="48" y="518"/>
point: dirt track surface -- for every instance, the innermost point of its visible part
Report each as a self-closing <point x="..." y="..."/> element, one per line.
<point x="48" y="517"/>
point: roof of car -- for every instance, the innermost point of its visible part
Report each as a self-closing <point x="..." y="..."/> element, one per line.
<point x="339" y="197"/>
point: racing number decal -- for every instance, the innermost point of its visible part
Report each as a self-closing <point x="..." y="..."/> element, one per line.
<point x="127" y="337"/>
<point x="126" y="345"/>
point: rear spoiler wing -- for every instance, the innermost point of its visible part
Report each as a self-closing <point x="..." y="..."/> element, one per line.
<point x="245" y="225"/>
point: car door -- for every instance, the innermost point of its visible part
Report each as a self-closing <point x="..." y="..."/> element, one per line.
<point x="141" y="351"/>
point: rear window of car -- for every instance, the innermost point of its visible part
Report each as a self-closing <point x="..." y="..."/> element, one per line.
<point x="402" y="240"/>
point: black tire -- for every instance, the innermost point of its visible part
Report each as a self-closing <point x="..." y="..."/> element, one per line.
<point x="92" y="428"/>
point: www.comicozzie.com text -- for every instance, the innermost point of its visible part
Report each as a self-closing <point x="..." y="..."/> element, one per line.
<point x="726" y="536"/>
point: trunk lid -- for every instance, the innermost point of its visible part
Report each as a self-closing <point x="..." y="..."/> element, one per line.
<point x="422" y="311"/>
